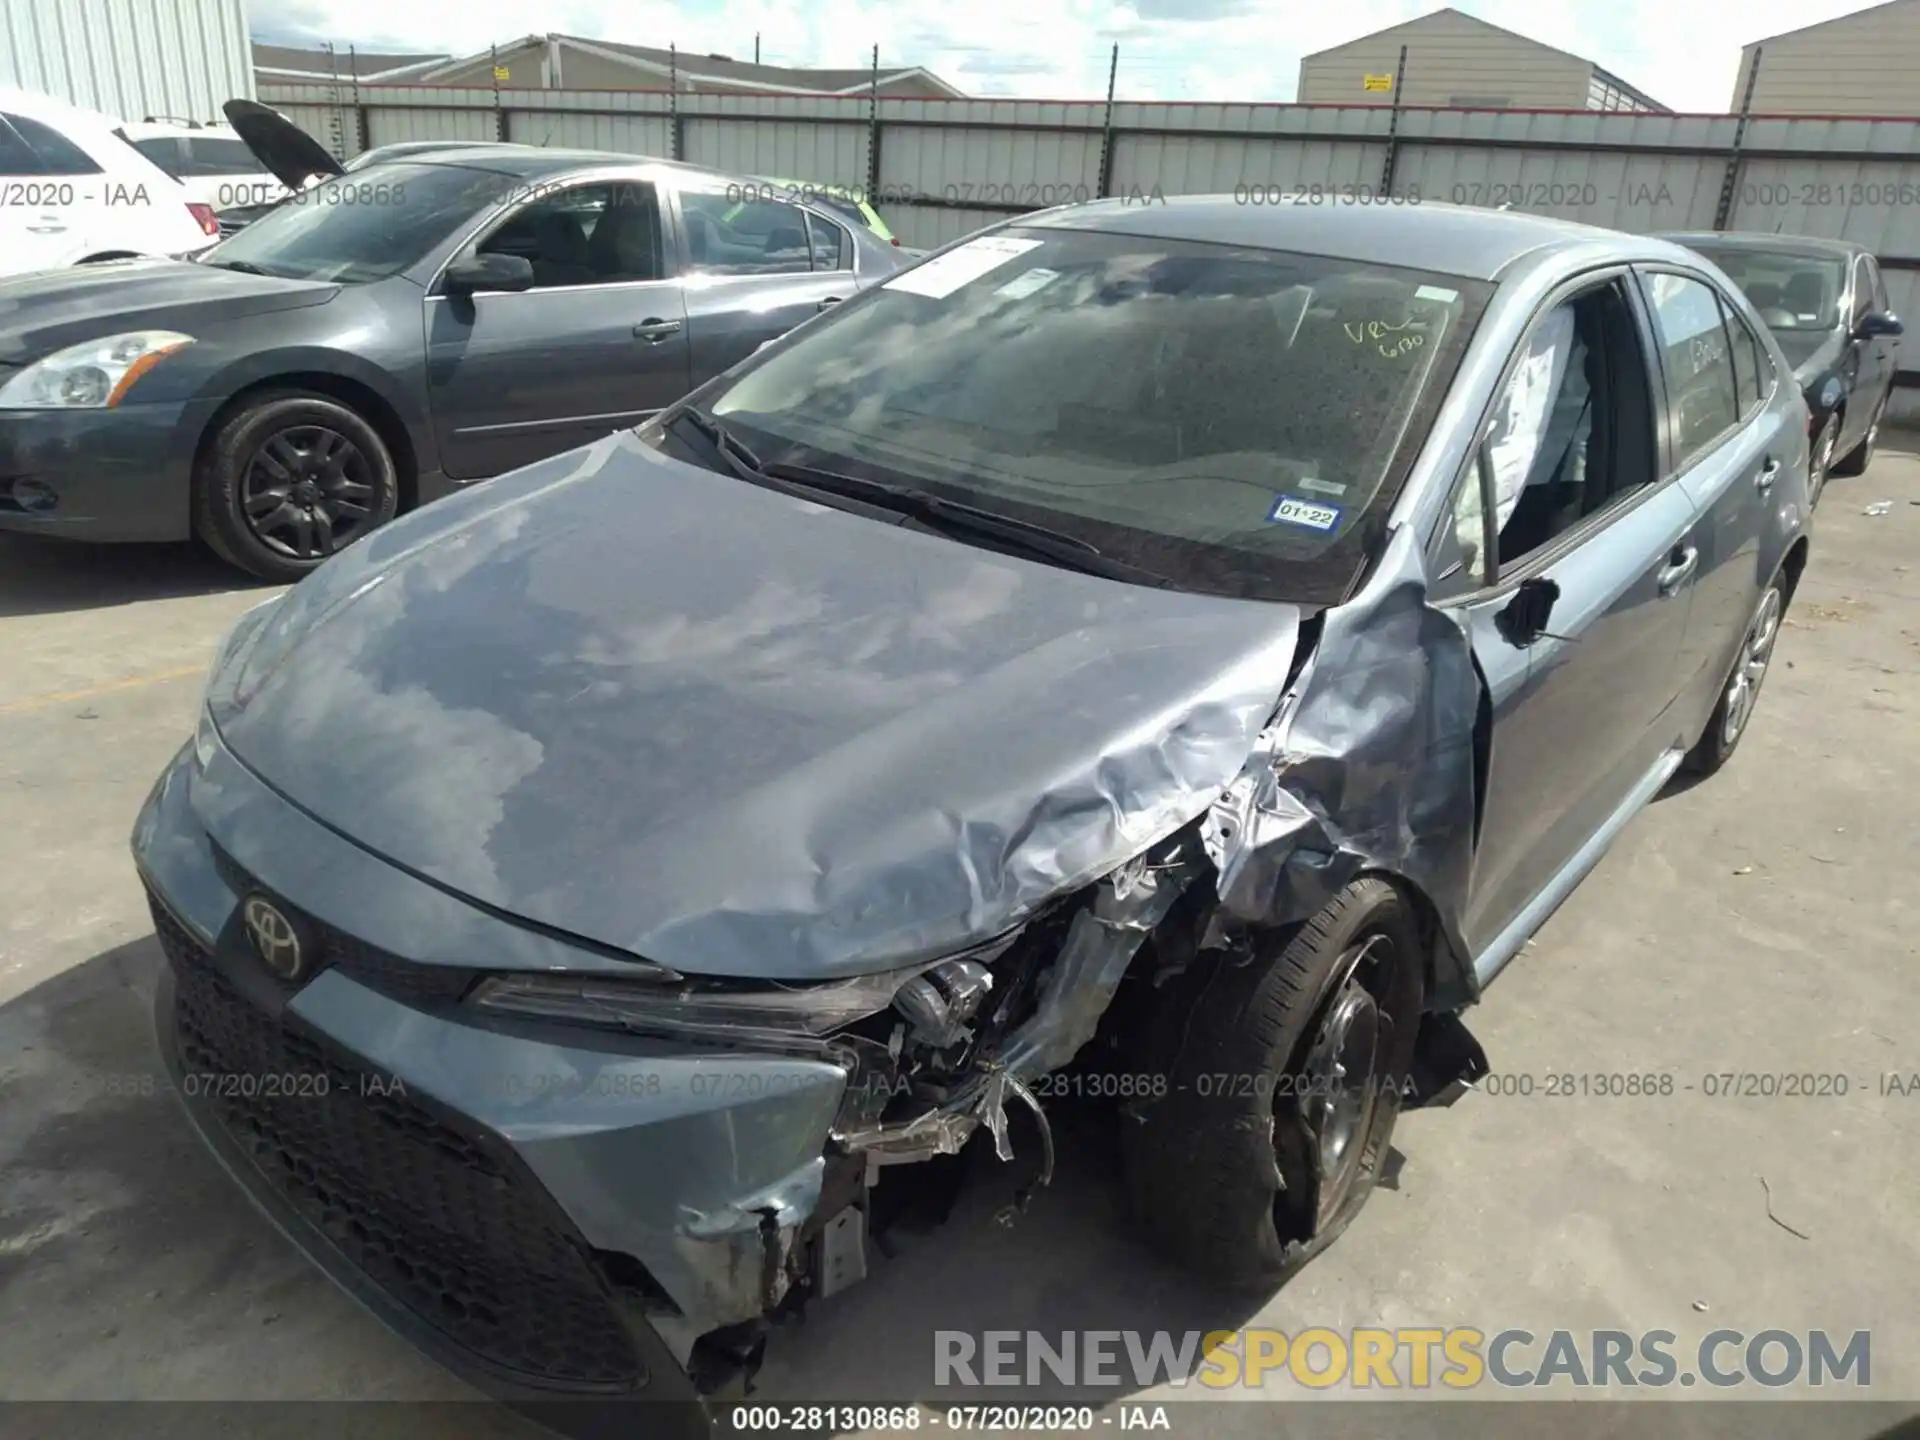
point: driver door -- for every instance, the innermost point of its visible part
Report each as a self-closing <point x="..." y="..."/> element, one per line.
<point x="598" y="344"/>
<point x="1566" y="497"/>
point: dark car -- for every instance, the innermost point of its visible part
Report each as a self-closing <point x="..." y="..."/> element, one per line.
<point x="1198" y="644"/>
<point x="1826" y="303"/>
<point x="386" y="336"/>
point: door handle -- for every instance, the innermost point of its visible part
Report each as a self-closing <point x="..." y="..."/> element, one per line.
<point x="1769" y="472"/>
<point x="830" y="300"/>
<point x="46" y="229"/>
<point x="654" y="330"/>
<point x="1680" y="563"/>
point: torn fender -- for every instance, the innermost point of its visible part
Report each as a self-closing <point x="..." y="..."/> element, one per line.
<point x="1369" y="765"/>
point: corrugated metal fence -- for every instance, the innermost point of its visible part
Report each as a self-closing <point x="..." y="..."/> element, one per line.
<point x="129" y="58"/>
<point x="940" y="168"/>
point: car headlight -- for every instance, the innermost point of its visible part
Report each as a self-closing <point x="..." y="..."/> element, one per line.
<point x="93" y="375"/>
<point x="791" y="1018"/>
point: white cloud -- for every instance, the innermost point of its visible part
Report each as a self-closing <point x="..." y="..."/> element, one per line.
<point x="1684" y="52"/>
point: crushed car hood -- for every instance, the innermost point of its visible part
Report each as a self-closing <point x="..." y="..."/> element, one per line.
<point x="738" y="733"/>
<point x="42" y="311"/>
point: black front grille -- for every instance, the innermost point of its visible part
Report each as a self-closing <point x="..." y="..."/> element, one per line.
<point x="449" y="1224"/>
<point x="408" y="981"/>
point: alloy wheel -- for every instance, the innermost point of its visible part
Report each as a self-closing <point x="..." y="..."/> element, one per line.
<point x="1341" y="1084"/>
<point x="307" y="491"/>
<point x="1756" y="651"/>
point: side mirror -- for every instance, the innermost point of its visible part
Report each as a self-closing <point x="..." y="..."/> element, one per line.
<point x="1525" y="617"/>
<point x="473" y="273"/>
<point x="1878" y="323"/>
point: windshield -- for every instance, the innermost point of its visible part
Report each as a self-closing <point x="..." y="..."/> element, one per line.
<point x="1791" y="292"/>
<point x="1236" y="420"/>
<point x="373" y="224"/>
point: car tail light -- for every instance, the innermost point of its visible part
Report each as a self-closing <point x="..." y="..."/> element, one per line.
<point x="203" y="214"/>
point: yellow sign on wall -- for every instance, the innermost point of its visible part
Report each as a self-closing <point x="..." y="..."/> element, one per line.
<point x="1376" y="82"/>
<point x="501" y="73"/>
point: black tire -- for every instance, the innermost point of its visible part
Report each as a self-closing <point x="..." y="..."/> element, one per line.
<point x="340" y="484"/>
<point x="1821" y="463"/>
<point x="1242" y="1050"/>
<point x="1856" y="460"/>
<point x="1720" y="739"/>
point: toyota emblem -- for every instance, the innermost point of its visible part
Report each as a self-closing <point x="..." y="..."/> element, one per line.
<point x="274" y="937"/>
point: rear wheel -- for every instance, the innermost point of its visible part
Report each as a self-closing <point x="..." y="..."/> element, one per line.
<point x="289" y="480"/>
<point x="1855" y="462"/>
<point x="1284" y="1078"/>
<point x="1741" y="692"/>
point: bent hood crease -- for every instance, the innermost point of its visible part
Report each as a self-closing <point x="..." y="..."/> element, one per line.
<point x="738" y="733"/>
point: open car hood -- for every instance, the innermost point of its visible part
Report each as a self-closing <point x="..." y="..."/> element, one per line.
<point x="738" y="733"/>
<point x="291" y="155"/>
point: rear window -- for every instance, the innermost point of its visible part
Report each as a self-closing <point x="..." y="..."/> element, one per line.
<point x="58" y="155"/>
<point x="212" y="155"/>
<point x="1237" y="420"/>
<point x="162" y="150"/>
<point x="1792" y="292"/>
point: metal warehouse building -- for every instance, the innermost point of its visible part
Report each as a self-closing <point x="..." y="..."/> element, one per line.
<point x="1866" y="63"/>
<point x="1456" y="60"/>
<point x="133" y="59"/>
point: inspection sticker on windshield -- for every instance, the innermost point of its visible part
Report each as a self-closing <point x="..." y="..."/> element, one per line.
<point x="941" y="276"/>
<point x="1434" y="292"/>
<point x="1307" y="514"/>
<point x="1025" y="283"/>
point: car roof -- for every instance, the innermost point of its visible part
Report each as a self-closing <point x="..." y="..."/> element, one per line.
<point x="1762" y="240"/>
<point x="1458" y="240"/>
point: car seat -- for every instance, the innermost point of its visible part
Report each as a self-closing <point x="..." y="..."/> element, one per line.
<point x="625" y="244"/>
<point x="1804" y="295"/>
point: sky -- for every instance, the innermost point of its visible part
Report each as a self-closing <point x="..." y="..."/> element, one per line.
<point x="1682" y="52"/>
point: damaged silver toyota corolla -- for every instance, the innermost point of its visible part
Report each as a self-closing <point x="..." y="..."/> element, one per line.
<point x="1197" y="639"/>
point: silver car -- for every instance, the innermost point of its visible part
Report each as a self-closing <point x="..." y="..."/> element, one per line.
<point x="1189" y="647"/>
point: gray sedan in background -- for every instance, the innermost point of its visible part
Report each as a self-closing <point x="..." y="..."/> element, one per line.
<point x="1195" y="644"/>
<point x="389" y="335"/>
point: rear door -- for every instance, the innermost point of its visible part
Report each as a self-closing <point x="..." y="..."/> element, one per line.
<point x="755" y="268"/>
<point x="599" y="343"/>
<point x="1568" y="497"/>
<point x="1731" y="448"/>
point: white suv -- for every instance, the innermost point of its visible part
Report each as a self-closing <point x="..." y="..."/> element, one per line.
<point x="211" y="161"/>
<point x="73" y="188"/>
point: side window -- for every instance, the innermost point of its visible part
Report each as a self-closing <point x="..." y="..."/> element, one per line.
<point x="1750" y="366"/>
<point x="164" y="151"/>
<point x="1880" y="301"/>
<point x="1696" y="360"/>
<point x="16" y="156"/>
<point x="1862" y="290"/>
<point x="1573" y="430"/>
<point x="745" y="237"/>
<point x="58" y="155"/>
<point x="585" y="235"/>
<point x="832" y="247"/>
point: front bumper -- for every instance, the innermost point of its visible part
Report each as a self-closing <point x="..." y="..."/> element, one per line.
<point x="119" y="474"/>
<point x="557" y="1214"/>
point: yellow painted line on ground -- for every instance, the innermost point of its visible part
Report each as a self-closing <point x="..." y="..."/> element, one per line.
<point x="68" y="697"/>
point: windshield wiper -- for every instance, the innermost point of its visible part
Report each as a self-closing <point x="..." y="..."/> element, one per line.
<point x="948" y="517"/>
<point x="244" y="267"/>
<point x="956" y="518"/>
